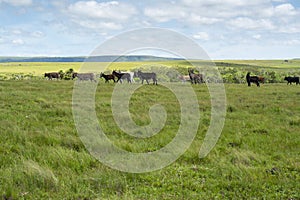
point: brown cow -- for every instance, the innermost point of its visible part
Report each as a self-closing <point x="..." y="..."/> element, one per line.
<point x="261" y="79"/>
<point x="195" y="78"/>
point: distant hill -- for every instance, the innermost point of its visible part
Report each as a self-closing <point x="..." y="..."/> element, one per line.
<point x="87" y="59"/>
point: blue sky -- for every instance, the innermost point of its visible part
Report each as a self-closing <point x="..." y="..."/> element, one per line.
<point x="225" y="29"/>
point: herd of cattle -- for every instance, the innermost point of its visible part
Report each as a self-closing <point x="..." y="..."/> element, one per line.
<point x="194" y="78"/>
<point x="260" y="79"/>
<point x="115" y="76"/>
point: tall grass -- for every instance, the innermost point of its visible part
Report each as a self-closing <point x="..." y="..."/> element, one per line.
<point x="42" y="157"/>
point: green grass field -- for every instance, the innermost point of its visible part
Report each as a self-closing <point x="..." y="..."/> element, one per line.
<point x="279" y="64"/>
<point x="42" y="157"/>
<point x="39" y="69"/>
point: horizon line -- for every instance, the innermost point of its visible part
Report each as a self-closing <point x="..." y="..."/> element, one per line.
<point x="157" y="56"/>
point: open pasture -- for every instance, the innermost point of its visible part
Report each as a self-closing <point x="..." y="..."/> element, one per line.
<point x="39" y="68"/>
<point x="275" y="64"/>
<point x="42" y="157"/>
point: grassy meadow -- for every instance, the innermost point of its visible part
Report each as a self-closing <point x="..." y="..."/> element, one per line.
<point x="39" y="68"/>
<point x="279" y="64"/>
<point x="42" y="157"/>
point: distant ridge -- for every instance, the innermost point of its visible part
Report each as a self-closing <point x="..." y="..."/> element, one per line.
<point x="113" y="58"/>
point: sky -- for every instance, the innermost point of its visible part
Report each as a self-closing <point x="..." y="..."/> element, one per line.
<point x="225" y="29"/>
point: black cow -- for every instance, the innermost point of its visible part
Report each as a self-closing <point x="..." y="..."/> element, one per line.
<point x="291" y="80"/>
<point x="52" y="75"/>
<point x="253" y="79"/>
<point x="121" y="76"/>
<point x="74" y="75"/>
<point x="108" y="77"/>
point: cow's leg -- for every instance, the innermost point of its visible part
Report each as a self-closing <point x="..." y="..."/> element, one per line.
<point x="147" y="81"/>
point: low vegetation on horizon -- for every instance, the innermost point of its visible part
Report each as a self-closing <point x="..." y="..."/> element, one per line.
<point x="232" y="71"/>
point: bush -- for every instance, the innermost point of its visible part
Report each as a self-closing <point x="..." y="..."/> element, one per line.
<point x="67" y="75"/>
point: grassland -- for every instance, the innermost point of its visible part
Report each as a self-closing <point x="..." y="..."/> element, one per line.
<point x="275" y="64"/>
<point x="42" y="157"/>
<point x="39" y="68"/>
<point x="36" y="68"/>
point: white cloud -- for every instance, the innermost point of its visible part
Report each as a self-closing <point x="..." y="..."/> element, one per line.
<point x="285" y="9"/>
<point x="101" y="15"/>
<point x="223" y="2"/>
<point x="287" y="42"/>
<point x="194" y="18"/>
<point x="201" y="36"/>
<point x="183" y="14"/>
<point x="281" y="11"/>
<point x="257" y="36"/>
<point x="37" y="34"/>
<point x="112" y="10"/>
<point x="248" y="23"/>
<point x="292" y="42"/>
<point x="94" y="24"/>
<point x="207" y="12"/>
<point x="16" y="32"/>
<point x="18" y="42"/>
<point x="280" y="1"/>
<point x="164" y="13"/>
<point x="225" y="8"/>
<point x="291" y="28"/>
<point x="59" y="3"/>
<point x="17" y="2"/>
